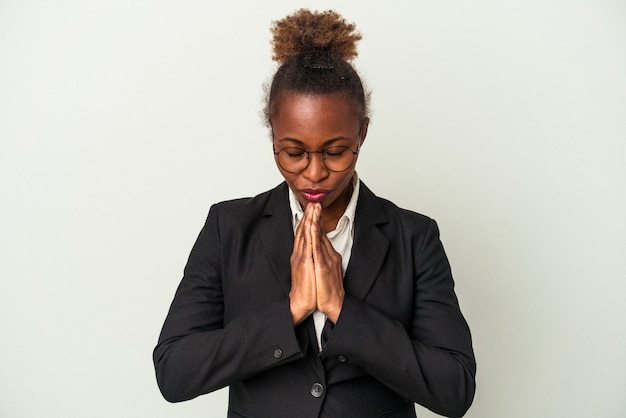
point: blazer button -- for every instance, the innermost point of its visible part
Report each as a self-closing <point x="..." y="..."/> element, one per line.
<point x="278" y="353"/>
<point x="342" y="359"/>
<point x="317" y="390"/>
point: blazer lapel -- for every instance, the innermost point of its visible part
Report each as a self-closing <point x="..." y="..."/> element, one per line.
<point x="277" y="239"/>
<point x="277" y="235"/>
<point x="370" y="245"/>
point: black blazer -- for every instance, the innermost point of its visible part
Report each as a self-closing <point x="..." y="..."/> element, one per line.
<point x="400" y="338"/>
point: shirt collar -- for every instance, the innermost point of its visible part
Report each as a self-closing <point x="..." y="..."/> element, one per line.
<point x="348" y="216"/>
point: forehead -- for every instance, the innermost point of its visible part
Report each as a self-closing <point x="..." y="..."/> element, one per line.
<point x="315" y="117"/>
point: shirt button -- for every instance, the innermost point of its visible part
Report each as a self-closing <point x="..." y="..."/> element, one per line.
<point x="342" y="359"/>
<point x="278" y="353"/>
<point x="317" y="390"/>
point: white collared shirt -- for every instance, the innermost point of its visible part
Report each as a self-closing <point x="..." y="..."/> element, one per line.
<point x="341" y="238"/>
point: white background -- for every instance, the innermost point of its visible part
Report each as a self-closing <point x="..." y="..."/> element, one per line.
<point x="122" y="121"/>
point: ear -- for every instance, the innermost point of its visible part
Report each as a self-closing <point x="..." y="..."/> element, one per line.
<point x="363" y="131"/>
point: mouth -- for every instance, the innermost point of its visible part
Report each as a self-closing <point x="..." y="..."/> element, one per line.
<point x="312" y="195"/>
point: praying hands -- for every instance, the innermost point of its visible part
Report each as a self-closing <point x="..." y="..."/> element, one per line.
<point x="316" y="273"/>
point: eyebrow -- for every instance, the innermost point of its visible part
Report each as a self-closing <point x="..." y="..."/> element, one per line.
<point x="327" y="142"/>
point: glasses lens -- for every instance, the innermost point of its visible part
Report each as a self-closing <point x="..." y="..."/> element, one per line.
<point x="338" y="158"/>
<point x="293" y="159"/>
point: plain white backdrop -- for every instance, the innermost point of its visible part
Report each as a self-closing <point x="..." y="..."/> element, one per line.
<point x="122" y="121"/>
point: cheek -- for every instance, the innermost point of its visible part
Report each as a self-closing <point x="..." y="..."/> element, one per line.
<point x="280" y="170"/>
<point x="347" y="177"/>
<point x="290" y="178"/>
<point x="278" y="165"/>
<point x="342" y="183"/>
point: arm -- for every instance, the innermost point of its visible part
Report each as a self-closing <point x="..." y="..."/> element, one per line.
<point x="432" y="363"/>
<point x="196" y="352"/>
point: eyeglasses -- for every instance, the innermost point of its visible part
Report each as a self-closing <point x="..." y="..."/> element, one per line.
<point x="295" y="160"/>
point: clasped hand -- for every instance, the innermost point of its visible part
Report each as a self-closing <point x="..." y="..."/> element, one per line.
<point x="316" y="273"/>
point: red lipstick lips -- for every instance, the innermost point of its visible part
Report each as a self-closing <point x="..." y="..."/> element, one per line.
<point x="312" y="195"/>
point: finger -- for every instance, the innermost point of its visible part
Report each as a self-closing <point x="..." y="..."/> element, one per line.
<point x="302" y="251"/>
<point x="332" y="259"/>
<point x="325" y="247"/>
<point x="328" y="246"/>
<point x="301" y="231"/>
<point x="320" y="220"/>
<point x="307" y="233"/>
<point x="318" y="234"/>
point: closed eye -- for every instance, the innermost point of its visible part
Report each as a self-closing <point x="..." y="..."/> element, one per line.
<point x="335" y="152"/>
<point x="295" y="153"/>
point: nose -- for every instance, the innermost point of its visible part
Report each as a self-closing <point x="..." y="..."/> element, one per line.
<point x="316" y="171"/>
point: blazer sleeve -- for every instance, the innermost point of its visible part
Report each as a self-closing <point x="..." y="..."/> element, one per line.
<point x="431" y="363"/>
<point x="196" y="353"/>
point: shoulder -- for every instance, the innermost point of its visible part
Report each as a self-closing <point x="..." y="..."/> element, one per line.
<point x="401" y="226"/>
<point x="242" y="209"/>
<point x="382" y="210"/>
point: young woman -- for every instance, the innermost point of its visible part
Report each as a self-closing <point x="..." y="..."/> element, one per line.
<point x="317" y="298"/>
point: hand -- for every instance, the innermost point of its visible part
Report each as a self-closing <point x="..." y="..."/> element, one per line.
<point x="328" y="270"/>
<point x="303" y="295"/>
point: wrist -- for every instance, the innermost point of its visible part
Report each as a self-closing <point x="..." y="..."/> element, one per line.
<point x="298" y="312"/>
<point x="334" y="310"/>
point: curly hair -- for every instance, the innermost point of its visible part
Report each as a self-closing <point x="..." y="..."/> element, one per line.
<point x="314" y="50"/>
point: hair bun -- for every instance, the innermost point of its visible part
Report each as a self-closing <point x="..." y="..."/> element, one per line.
<point x="307" y="33"/>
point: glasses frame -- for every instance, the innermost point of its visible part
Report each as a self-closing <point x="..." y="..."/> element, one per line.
<point x="322" y="152"/>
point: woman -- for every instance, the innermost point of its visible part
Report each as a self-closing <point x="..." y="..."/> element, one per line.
<point x="317" y="298"/>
